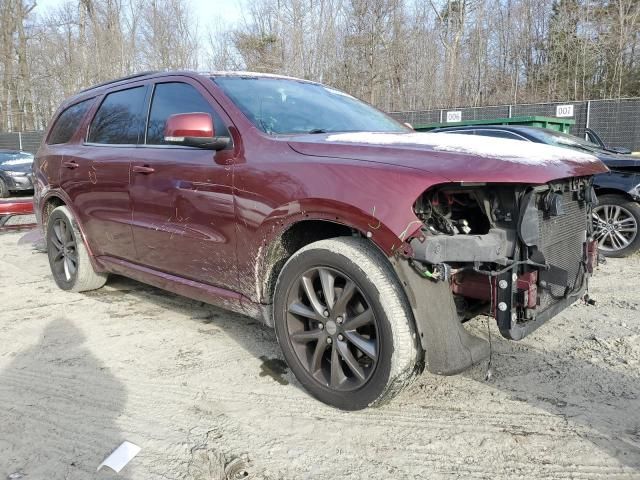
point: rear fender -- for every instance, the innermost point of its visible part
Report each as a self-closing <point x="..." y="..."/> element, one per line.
<point x="62" y="196"/>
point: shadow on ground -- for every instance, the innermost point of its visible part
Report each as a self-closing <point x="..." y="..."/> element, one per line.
<point x="58" y="410"/>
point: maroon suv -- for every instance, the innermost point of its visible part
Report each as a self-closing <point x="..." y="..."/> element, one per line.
<point x="366" y="245"/>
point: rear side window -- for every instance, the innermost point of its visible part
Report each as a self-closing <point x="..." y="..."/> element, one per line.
<point x="176" y="97"/>
<point x="68" y="122"/>
<point x="120" y="119"/>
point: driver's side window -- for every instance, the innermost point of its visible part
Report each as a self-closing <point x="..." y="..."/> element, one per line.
<point x="177" y="97"/>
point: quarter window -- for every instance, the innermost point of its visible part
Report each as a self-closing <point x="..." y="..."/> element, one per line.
<point x="119" y="120"/>
<point x="68" y="122"/>
<point x="176" y="97"/>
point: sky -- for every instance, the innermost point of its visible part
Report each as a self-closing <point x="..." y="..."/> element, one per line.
<point x="208" y="12"/>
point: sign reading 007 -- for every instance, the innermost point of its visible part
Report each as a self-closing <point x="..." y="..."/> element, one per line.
<point x="564" y="110"/>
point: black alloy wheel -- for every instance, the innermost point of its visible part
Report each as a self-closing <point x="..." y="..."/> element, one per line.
<point x="332" y="328"/>
<point x="63" y="250"/>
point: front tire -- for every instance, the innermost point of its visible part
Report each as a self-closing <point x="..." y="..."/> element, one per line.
<point x="343" y="323"/>
<point x="68" y="255"/>
<point x="616" y="222"/>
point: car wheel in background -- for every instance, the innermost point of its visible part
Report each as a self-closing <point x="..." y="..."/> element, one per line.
<point x="616" y="220"/>
<point x="343" y="324"/>
<point x="68" y="255"/>
<point x="4" y="190"/>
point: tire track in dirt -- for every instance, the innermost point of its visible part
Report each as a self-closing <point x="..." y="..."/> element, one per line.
<point x="163" y="371"/>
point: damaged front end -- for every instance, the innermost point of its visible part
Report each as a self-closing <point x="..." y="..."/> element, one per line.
<point x="519" y="253"/>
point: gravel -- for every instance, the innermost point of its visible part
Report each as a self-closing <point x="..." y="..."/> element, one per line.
<point x="206" y="395"/>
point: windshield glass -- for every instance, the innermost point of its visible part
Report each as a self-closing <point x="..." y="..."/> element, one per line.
<point x="284" y="106"/>
<point x="560" y="139"/>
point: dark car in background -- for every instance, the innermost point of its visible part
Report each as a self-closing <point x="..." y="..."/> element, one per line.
<point x="15" y="172"/>
<point x="617" y="217"/>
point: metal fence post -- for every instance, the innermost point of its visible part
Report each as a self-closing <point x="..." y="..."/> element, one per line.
<point x="510" y="111"/>
<point x="20" y="141"/>
<point x="588" y="113"/>
<point x="440" y="116"/>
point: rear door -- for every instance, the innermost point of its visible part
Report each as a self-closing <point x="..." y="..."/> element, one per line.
<point x="100" y="172"/>
<point x="183" y="215"/>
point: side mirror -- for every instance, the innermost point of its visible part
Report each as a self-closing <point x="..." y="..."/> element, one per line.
<point x="193" y="130"/>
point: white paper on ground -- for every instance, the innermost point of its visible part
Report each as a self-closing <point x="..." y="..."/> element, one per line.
<point x="120" y="457"/>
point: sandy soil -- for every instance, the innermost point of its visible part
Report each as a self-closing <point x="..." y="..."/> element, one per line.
<point x="207" y="396"/>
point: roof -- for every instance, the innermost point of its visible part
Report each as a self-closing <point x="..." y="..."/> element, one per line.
<point x="515" y="128"/>
<point x="230" y="73"/>
<point x="121" y="79"/>
<point x="166" y="73"/>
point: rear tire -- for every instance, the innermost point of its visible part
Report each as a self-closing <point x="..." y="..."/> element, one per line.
<point x="344" y="325"/>
<point x="617" y="226"/>
<point x="68" y="256"/>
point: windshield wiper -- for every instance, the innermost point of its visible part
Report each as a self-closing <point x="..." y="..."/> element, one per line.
<point x="317" y="130"/>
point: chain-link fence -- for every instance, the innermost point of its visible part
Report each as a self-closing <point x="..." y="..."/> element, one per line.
<point x="27" y="141"/>
<point x="617" y="122"/>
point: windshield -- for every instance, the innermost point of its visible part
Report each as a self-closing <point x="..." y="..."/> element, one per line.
<point x="285" y="106"/>
<point x="560" y="139"/>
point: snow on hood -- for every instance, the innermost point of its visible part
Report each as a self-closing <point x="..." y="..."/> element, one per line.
<point x="515" y="151"/>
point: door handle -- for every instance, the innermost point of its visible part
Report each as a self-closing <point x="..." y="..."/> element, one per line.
<point x="143" y="169"/>
<point x="70" y="164"/>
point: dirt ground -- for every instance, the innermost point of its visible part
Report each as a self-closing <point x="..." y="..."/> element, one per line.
<point x="206" y="394"/>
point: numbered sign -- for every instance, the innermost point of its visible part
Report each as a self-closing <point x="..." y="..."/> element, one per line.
<point x="564" y="110"/>
<point x="454" y="116"/>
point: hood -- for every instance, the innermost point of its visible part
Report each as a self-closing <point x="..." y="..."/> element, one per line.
<point x="459" y="158"/>
<point x="617" y="161"/>
<point x="16" y="162"/>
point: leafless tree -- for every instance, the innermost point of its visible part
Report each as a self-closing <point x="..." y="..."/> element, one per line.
<point x="396" y="54"/>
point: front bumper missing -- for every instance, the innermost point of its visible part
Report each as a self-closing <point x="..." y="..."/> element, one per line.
<point x="449" y="348"/>
<point x="514" y="297"/>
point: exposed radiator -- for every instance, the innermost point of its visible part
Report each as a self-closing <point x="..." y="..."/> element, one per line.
<point x="562" y="244"/>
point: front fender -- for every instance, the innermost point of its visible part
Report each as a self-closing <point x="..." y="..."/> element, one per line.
<point x="271" y="196"/>
<point x="370" y="224"/>
<point x="627" y="182"/>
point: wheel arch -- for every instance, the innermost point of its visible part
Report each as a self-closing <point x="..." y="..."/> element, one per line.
<point x="54" y="199"/>
<point x="48" y="206"/>
<point x="293" y="225"/>
<point x="613" y="191"/>
<point x="293" y="237"/>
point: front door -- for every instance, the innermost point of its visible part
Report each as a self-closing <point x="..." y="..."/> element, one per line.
<point x="183" y="217"/>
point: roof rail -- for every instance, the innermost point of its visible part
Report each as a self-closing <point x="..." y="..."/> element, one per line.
<point x="129" y="77"/>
